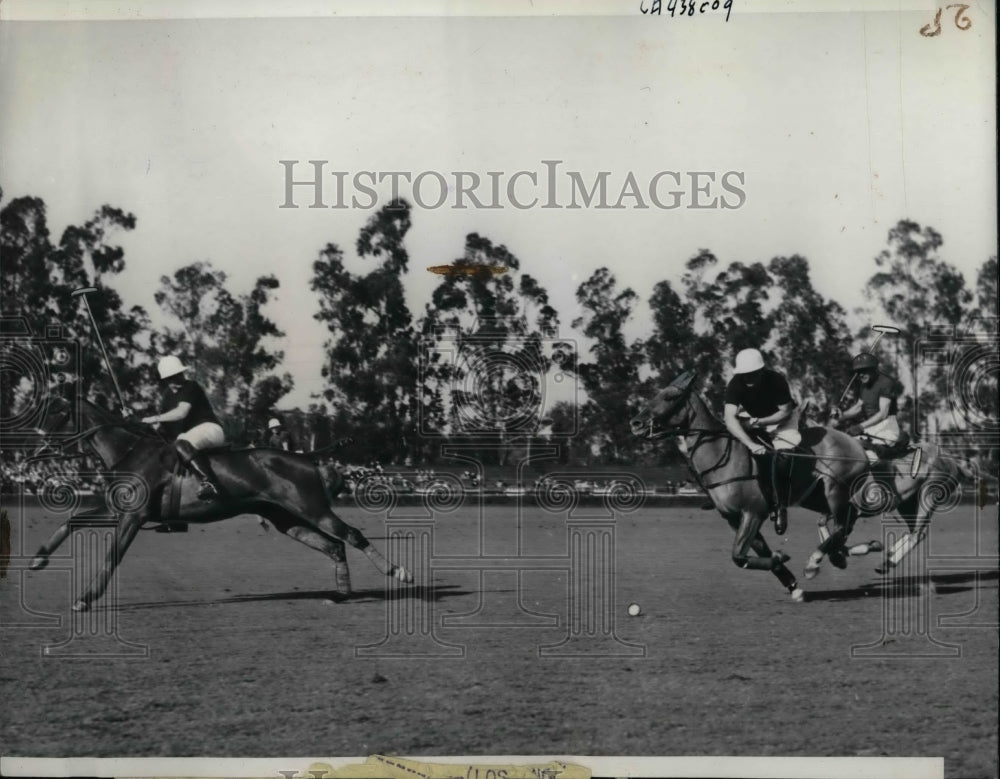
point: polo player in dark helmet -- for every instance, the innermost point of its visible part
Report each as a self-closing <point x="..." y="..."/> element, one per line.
<point x="875" y="408"/>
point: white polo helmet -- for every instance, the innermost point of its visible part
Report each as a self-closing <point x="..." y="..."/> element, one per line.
<point x="748" y="361"/>
<point x="273" y="423"/>
<point x="170" y="366"/>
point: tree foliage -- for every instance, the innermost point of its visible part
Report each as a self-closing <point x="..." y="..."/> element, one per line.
<point x="37" y="284"/>
<point x="611" y="376"/>
<point x="924" y="296"/>
<point x="489" y="338"/>
<point x="371" y="365"/>
<point x="225" y="340"/>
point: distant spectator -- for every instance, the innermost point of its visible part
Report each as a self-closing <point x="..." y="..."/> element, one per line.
<point x="279" y="438"/>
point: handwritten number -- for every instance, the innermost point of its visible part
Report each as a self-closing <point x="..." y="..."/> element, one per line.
<point x="687" y="7"/>
<point x="927" y="31"/>
<point x="960" y="17"/>
<point x="962" y="21"/>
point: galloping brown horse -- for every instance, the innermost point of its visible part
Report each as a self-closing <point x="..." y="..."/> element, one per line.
<point x="831" y="476"/>
<point x="284" y="488"/>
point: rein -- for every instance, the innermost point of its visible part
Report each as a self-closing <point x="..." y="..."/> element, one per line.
<point x="702" y="434"/>
<point x="90" y="432"/>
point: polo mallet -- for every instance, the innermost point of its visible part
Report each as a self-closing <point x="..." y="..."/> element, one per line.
<point x="82" y="293"/>
<point x="881" y="330"/>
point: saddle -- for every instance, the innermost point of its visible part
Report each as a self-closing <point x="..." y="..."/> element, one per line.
<point x="178" y="471"/>
<point x="890" y="451"/>
<point x="775" y="472"/>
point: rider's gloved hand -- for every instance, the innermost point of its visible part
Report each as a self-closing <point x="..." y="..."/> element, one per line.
<point x="855" y="430"/>
<point x="758" y="449"/>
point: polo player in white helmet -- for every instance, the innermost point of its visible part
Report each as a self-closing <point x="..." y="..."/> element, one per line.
<point x="278" y="437"/>
<point x="764" y="398"/>
<point x="191" y="419"/>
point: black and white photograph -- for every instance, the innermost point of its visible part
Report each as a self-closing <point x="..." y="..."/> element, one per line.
<point x="504" y="390"/>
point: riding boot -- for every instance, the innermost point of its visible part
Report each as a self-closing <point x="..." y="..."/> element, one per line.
<point x="766" y="478"/>
<point x="779" y="511"/>
<point x="200" y="467"/>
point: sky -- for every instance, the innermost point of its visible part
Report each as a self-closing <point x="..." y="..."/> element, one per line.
<point x="836" y="119"/>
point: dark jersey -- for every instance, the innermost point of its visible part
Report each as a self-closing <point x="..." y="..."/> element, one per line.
<point x="200" y="412"/>
<point x="882" y="387"/>
<point x="764" y="398"/>
<point x="282" y="440"/>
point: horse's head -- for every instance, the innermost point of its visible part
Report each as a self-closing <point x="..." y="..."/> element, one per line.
<point x="57" y="420"/>
<point x="64" y="423"/>
<point x="667" y="412"/>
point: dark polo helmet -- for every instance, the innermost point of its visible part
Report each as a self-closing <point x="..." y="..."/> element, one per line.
<point x="864" y="362"/>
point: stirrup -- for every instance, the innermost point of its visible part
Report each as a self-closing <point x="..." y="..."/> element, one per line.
<point x="207" y="491"/>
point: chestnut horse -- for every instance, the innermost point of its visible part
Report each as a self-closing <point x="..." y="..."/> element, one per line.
<point x="830" y="475"/>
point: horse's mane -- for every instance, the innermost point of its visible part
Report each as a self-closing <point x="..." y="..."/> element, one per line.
<point x="708" y="409"/>
<point x="112" y="418"/>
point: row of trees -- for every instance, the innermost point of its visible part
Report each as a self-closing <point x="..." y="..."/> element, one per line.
<point x="474" y="366"/>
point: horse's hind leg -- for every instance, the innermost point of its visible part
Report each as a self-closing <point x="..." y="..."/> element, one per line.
<point x="917" y="518"/>
<point x="332" y="547"/>
<point x="833" y="543"/>
<point x="333" y="525"/>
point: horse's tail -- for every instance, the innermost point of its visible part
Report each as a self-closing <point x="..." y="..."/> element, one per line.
<point x="325" y="450"/>
<point x="960" y="467"/>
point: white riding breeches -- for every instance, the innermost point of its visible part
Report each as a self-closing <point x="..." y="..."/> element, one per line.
<point x="203" y="436"/>
<point x="884" y="433"/>
<point x="785" y="434"/>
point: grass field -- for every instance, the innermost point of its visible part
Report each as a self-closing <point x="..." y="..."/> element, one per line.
<point x="246" y="655"/>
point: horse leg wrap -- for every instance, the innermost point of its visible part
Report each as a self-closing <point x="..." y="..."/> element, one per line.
<point x="903" y="546"/>
<point x="342" y="577"/>
<point x="379" y="561"/>
<point x="756" y="563"/>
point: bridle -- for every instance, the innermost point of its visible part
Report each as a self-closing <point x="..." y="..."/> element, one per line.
<point x="82" y="437"/>
<point x="702" y="435"/>
<point x="686" y="383"/>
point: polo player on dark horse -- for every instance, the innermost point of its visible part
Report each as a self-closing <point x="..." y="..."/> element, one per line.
<point x="283" y="487"/>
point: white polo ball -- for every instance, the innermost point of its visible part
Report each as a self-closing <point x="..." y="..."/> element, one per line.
<point x="634" y="610"/>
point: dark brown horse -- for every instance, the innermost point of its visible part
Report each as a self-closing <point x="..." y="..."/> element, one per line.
<point x="284" y="488"/>
<point x="830" y="475"/>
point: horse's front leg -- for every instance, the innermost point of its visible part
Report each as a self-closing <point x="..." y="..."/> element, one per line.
<point x="41" y="558"/>
<point x="128" y="527"/>
<point x="786" y="577"/>
<point x="746" y="534"/>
